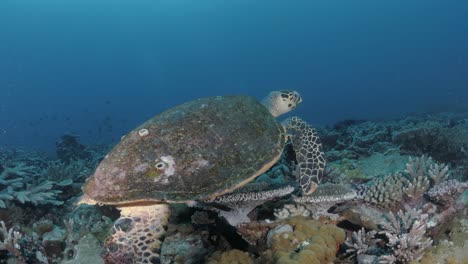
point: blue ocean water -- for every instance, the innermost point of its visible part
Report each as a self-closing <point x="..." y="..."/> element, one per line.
<point x="99" y="68"/>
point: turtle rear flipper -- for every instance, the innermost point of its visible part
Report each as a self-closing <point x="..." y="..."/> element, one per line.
<point x="138" y="234"/>
<point x="309" y="153"/>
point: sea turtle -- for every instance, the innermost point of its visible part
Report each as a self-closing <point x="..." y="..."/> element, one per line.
<point x="198" y="150"/>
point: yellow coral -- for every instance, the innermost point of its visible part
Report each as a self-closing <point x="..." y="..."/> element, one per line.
<point x="310" y="242"/>
<point x="234" y="256"/>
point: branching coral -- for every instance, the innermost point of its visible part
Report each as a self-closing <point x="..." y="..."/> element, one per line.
<point x="425" y="167"/>
<point x="386" y="192"/>
<point x="14" y="181"/>
<point x="61" y="172"/>
<point x="41" y="194"/>
<point x="10" y="242"/>
<point x="361" y="242"/>
<point x="394" y="190"/>
<point x="406" y="236"/>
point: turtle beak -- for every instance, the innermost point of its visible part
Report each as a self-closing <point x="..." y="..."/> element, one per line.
<point x="85" y="199"/>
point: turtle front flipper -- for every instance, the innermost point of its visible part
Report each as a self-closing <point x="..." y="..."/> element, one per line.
<point x="309" y="153"/>
<point x="137" y="235"/>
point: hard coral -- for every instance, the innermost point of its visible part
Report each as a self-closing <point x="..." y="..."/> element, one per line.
<point x="18" y="183"/>
<point x="234" y="256"/>
<point x="310" y="242"/>
<point x="69" y="148"/>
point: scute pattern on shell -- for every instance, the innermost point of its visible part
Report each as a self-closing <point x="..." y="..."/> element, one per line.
<point x="216" y="144"/>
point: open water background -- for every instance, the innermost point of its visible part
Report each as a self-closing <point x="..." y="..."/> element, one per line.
<point x="99" y="68"/>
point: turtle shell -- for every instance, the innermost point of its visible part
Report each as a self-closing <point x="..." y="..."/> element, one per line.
<point x="198" y="150"/>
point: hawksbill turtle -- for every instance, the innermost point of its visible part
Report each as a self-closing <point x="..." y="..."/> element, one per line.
<point x="198" y="150"/>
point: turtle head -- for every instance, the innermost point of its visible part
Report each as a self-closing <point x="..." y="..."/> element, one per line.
<point x="281" y="102"/>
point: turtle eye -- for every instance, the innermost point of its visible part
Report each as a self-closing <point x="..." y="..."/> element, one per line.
<point x="161" y="166"/>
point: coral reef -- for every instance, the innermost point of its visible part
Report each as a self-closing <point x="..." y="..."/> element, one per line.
<point x="68" y="148"/>
<point x="405" y="240"/>
<point x="19" y="182"/>
<point x="184" y="248"/>
<point x="10" y="241"/>
<point x="382" y="191"/>
<point x="37" y="193"/>
<point x="233" y="256"/>
<point x="310" y="242"/>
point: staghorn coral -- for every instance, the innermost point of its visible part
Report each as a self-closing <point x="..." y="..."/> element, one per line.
<point x="406" y="239"/>
<point x="40" y="194"/>
<point x="424" y="166"/>
<point x="20" y="184"/>
<point x="66" y="173"/>
<point x="414" y="191"/>
<point x="11" y="242"/>
<point x="9" y="181"/>
<point x="405" y="232"/>
<point x="362" y="243"/>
